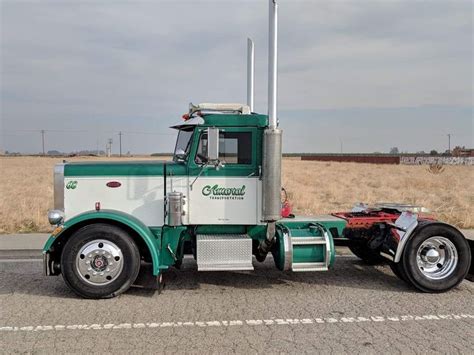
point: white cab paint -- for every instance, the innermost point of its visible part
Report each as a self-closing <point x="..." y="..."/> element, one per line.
<point x="142" y="197"/>
<point x="207" y="208"/>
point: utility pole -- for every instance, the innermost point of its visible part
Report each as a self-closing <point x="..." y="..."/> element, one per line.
<point x="42" y="139"/>
<point x="449" y="143"/>
<point x="109" y="145"/>
<point x="120" y="142"/>
<point x="340" y="141"/>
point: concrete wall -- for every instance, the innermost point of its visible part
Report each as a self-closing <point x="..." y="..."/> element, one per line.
<point x="425" y="160"/>
<point x="391" y="159"/>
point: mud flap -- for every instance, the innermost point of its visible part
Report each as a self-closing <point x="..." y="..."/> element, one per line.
<point x="470" y="275"/>
<point x="146" y="279"/>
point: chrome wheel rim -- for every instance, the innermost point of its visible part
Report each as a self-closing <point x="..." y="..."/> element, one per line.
<point x="99" y="262"/>
<point x="437" y="258"/>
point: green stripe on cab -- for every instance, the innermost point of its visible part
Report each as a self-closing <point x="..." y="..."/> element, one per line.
<point x="128" y="168"/>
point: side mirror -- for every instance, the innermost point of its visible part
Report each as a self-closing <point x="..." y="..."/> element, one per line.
<point x="180" y="155"/>
<point x="212" y="144"/>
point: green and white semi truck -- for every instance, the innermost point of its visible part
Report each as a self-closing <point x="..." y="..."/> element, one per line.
<point x="219" y="199"/>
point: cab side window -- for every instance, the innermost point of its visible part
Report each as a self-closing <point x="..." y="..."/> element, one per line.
<point x="234" y="148"/>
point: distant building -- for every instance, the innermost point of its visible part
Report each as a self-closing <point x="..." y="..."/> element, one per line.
<point x="462" y="152"/>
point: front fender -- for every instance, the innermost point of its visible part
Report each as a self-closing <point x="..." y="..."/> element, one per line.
<point x="119" y="218"/>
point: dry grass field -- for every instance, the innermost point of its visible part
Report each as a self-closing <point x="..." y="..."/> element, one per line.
<point x="26" y="189"/>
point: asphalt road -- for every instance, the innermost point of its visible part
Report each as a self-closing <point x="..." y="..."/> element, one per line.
<point x="352" y="309"/>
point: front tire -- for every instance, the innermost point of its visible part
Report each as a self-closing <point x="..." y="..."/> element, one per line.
<point x="100" y="261"/>
<point x="436" y="259"/>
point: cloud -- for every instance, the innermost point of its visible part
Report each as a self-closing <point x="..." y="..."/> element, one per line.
<point x="103" y="66"/>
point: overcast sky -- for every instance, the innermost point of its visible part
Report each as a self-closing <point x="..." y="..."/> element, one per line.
<point x="369" y="74"/>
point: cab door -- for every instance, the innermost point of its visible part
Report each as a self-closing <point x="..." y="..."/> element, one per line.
<point x="230" y="193"/>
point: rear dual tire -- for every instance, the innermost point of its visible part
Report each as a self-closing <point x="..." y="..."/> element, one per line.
<point x="436" y="259"/>
<point x="100" y="261"/>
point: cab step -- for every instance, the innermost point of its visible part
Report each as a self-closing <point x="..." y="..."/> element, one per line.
<point x="307" y="240"/>
<point x="310" y="252"/>
<point x="224" y="252"/>
<point x="302" y="267"/>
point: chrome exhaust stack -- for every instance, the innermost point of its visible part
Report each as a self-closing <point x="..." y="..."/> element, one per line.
<point x="272" y="142"/>
<point x="272" y="64"/>
<point x="250" y="74"/>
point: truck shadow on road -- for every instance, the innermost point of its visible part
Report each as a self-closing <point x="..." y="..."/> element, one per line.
<point x="348" y="274"/>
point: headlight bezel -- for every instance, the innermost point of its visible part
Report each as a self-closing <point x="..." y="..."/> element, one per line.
<point x="55" y="217"/>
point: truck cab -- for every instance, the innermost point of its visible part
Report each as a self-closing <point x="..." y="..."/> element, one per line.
<point x="207" y="201"/>
<point x="228" y="189"/>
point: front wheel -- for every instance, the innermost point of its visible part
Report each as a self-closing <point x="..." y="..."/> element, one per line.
<point x="100" y="261"/>
<point x="436" y="259"/>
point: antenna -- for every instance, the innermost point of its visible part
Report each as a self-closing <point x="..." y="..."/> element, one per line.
<point x="250" y="73"/>
<point x="272" y="64"/>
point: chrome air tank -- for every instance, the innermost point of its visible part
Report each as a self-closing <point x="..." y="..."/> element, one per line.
<point x="174" y="211"/>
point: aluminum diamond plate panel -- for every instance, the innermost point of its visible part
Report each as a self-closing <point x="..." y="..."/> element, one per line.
<point x="220" y="252"/>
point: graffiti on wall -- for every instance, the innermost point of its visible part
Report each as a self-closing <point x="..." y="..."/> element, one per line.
<point x="437" y="160"/>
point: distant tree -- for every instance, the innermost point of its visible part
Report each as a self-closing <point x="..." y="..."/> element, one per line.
<point x="421" y="152"/>
<point x="54" y="152"/>
<point x="433" y="152"/>
<point x="394" y="150"/>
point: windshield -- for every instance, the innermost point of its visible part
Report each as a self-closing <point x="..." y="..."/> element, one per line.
<point x="183" y="145"/>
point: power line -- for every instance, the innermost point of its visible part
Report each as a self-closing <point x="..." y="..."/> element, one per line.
<point x="45" y="130"/>
<point x="84" y="131"/>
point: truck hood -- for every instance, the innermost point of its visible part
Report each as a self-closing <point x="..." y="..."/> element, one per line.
<point x="124" y="168"/>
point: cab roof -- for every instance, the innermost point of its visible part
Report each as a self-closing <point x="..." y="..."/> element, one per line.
<point x="225" y="120"/>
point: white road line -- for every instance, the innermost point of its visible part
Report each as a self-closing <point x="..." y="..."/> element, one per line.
<point x="232" y="323"/>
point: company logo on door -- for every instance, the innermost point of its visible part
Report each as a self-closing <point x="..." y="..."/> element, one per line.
<point x="216" y="192"/>
<point x="71" y="185"/>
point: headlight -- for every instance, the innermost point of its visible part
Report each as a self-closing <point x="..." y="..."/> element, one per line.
<point x="55" y="217"/>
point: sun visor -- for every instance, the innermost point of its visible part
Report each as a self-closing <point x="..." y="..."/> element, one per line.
<point x="195" y="121"/>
